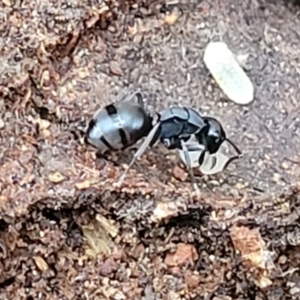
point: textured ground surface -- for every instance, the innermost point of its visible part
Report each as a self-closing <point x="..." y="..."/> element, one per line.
<point x="67" y="232"/>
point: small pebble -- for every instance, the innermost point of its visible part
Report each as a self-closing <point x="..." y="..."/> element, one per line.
<point x="294" y="290"/>
<point x="179" y="173"/>
<point x="282" y="259"/>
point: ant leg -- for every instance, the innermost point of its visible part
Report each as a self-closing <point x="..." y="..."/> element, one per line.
<point x="197" y="150"/>
<point x="139" y="98"/>
<point x="135" y="96"/>
<point x="200" y="149"/>
<point x="201" y="158"/>
<point x="140" y="151"/>
<point x="189" y="165"/>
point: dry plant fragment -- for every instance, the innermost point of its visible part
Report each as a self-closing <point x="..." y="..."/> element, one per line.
<point x="228" y="74"/>
<point x="41" y="263"/>
<point x="44" y="124"/>
<point x="133" y="30"/>
<point x="7" y="2"/>
<point x="108" y="226"/>
<point x="98" y="235"/>
<point x="97" y="240"/>
<point x="115" y="69"/>
<point x="83" y="185"/>
<point x="2" y="124"/>
<point x="254" y="254"/>
<point x="185" y="253"/>
<point x="113" y="293"/>
<point x="108" y="267"/>
<point x="69" y="47"/>
<point x="103" y="9"/>
<point x="192" y="279"/>
<point x="170" y="19"/>
<point x="56" y="177"/>
<point x="163" y="211"/>
<point x="137" y="251"/>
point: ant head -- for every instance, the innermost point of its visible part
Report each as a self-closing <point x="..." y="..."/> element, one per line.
<point x="214" y="135"/>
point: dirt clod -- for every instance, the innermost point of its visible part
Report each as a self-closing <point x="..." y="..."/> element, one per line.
<point x="179" y="173"/>
<point x="108" y="267"/>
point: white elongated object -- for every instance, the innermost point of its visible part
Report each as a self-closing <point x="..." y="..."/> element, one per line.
<point x="228" y="74"/>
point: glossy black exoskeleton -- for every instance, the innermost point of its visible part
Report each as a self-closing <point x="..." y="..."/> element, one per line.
<point x="176" y="125"/>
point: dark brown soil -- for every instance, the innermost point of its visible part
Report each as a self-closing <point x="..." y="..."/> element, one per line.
<point x="66" y="231"/>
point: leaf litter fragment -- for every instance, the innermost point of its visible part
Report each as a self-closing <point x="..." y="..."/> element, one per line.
<point x="164" y="210"/>
<point x="112" y="293"/>
<point x="99" y="234"/>
<point x="184" y="253"/>
<point x="108" y="226"/>
<point x="254" y="254"/>
<point x="228" y="74"/>
<point x="41" y="263"/>
<point x="2" y="124"/>
<point x="56" y="177"/>
<point x="192" y="279"/>
<point x="171" y="19"/>
<point x="108" y="267"/>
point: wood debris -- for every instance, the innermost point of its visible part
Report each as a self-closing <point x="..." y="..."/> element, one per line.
<point x="251" y="246"/>
<point x="184" y="254"/>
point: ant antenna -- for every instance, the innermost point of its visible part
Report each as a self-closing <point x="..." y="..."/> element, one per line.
<point x="234" y="146"/>
<point x="230" y="160"/>
<point x="135" y="96"/>
<point x="189" y="165"/>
